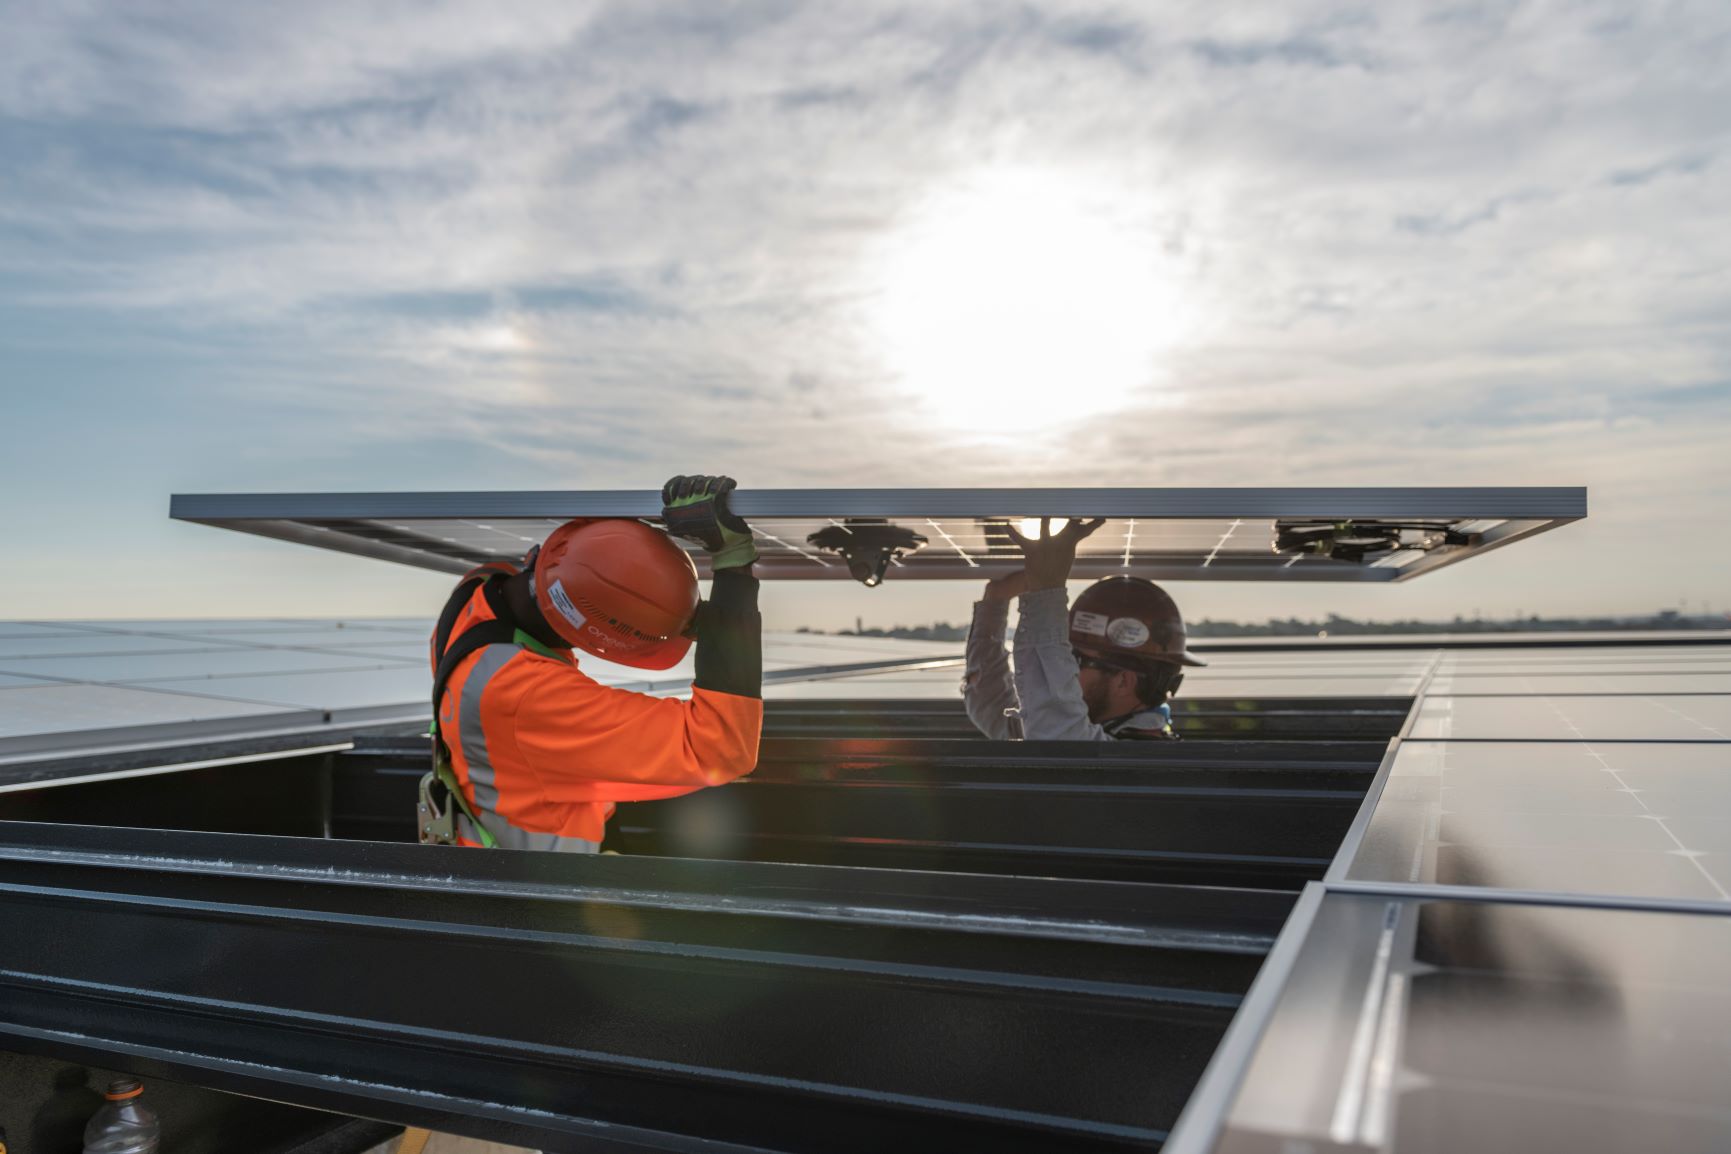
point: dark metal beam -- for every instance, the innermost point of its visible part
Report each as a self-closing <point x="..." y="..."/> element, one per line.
<point x="1262" y="814"/>
<point x="1202" y="719"/>
<point x="1261" y="817"/>
<point x="626" y="1004"/>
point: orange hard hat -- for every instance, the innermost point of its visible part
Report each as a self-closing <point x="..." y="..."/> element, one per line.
<point x="1131" y="620"/>
<point x="618" y="589"/>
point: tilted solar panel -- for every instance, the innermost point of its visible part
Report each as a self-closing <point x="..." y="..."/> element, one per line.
<point x="1311" y="534"/>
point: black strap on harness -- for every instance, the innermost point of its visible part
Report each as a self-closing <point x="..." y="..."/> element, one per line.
<point x="441" y="797"/>
<point x="502" y="629"/>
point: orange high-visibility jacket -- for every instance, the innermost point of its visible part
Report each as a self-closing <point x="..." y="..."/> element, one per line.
<point x="543" y="751"/>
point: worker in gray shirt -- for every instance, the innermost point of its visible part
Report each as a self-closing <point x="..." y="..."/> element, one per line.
<point x="1104" y="671"/>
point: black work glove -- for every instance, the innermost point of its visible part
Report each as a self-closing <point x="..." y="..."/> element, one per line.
<point x="695" y="508"/>
<point x="729" y="632"/>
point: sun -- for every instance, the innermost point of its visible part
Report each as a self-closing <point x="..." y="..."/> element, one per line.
<point x="1019" y="300"/>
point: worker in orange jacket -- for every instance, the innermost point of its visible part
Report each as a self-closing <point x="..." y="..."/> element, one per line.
<point x="532" y="753"/>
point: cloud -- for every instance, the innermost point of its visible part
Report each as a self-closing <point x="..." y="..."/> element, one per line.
<point x="1468" y="241"/>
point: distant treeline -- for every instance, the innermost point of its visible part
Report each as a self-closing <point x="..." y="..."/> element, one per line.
<point x="1345" y="626"/>
<point x="1334" y="626"/>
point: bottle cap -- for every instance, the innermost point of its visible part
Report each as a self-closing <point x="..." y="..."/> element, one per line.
<point x="123" y="1088"/>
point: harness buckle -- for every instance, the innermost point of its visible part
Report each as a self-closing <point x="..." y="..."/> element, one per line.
<point x="435" y="823"/>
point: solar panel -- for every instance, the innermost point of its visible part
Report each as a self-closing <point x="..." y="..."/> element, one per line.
<point x="1332" y="534"/>
<point x="1713" y="680"/>
<point x="209" y="665"/>
<point x="1700" y="656"/>
<point x="88" y="687"/>
<point x="1609" y="818"/>
<point x="79" y="710"/>
<point x="11" y="680"/>
<point x="1416" y="1026"/>
<point x="100" y="645"/>
<point x="1228" y="682"/>
<point x="1577" y="717"/>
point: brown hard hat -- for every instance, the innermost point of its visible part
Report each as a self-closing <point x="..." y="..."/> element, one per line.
<point x="1129" y="619"/>
<point x="617" y="589"/>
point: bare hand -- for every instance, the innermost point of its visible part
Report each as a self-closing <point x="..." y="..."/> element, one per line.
<point x="1051" y="555"/>
<point x="1006" y="588"/>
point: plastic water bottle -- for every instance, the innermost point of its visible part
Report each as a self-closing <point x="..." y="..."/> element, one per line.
<point x="123" y="1125"/>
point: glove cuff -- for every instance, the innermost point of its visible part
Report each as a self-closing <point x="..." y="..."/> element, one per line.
<point x="736" y="554"/>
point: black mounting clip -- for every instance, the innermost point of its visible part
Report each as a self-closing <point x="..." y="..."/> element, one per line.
<point x="1356" y="541"/>
<point x="868" y="545"/>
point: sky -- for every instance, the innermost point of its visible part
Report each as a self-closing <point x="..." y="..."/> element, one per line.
<point x="412" y="246"/>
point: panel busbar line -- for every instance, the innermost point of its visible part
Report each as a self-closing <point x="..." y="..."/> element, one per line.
<point x="1166" y="533"/>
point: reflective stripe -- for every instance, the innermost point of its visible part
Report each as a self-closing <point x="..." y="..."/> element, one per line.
<point x="508" y="836"/>
<point x="482" y="782"/>
<point x="472" y="734"/>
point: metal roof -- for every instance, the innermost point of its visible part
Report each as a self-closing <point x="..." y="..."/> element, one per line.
<point x="1242" y="534"/>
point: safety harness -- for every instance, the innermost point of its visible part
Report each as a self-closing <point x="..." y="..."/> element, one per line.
<point x="441" y="796"/>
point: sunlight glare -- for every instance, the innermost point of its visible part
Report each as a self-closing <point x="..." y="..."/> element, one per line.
<point x="1030" y="526"/>
<point x="1023" y="300"/>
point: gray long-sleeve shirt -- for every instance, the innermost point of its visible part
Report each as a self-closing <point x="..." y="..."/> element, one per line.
<point x="987" y="688"/>
<point x="1043" y="689"/>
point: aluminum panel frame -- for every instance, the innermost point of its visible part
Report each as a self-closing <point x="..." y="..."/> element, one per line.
<point x="1457" y="503"/>
<point x="1204" y="1114"/>
<point x="318" y="519"/>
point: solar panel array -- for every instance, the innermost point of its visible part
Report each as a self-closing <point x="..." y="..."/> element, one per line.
<point x="1427" y="1026"/>
<point x="1610" y="775"/>
<point x="1229" y="674"/>
<point x="1523" y="946"/>
<point x="1163" y="534"/>
<point x="79" y="687"/>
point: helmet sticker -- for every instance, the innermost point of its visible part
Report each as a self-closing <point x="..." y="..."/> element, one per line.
<point x="1127" y="632"/>
<point x="1094" y="623"/>
<point x="562" y="602"/>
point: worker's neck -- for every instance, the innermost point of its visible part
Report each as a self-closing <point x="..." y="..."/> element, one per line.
<point x="1127" y="708"/>
<point x="527" y="614"/>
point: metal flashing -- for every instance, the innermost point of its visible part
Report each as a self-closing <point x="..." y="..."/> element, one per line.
<point x="1355" y="833"/>
<point x="1205" y="1112"/>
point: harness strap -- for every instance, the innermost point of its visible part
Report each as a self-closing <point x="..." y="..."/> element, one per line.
<point x="452" y="819"/>
<point x="460" y="597"/>
<point x="495" y="632"/>
<point x="500" y="630"/>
